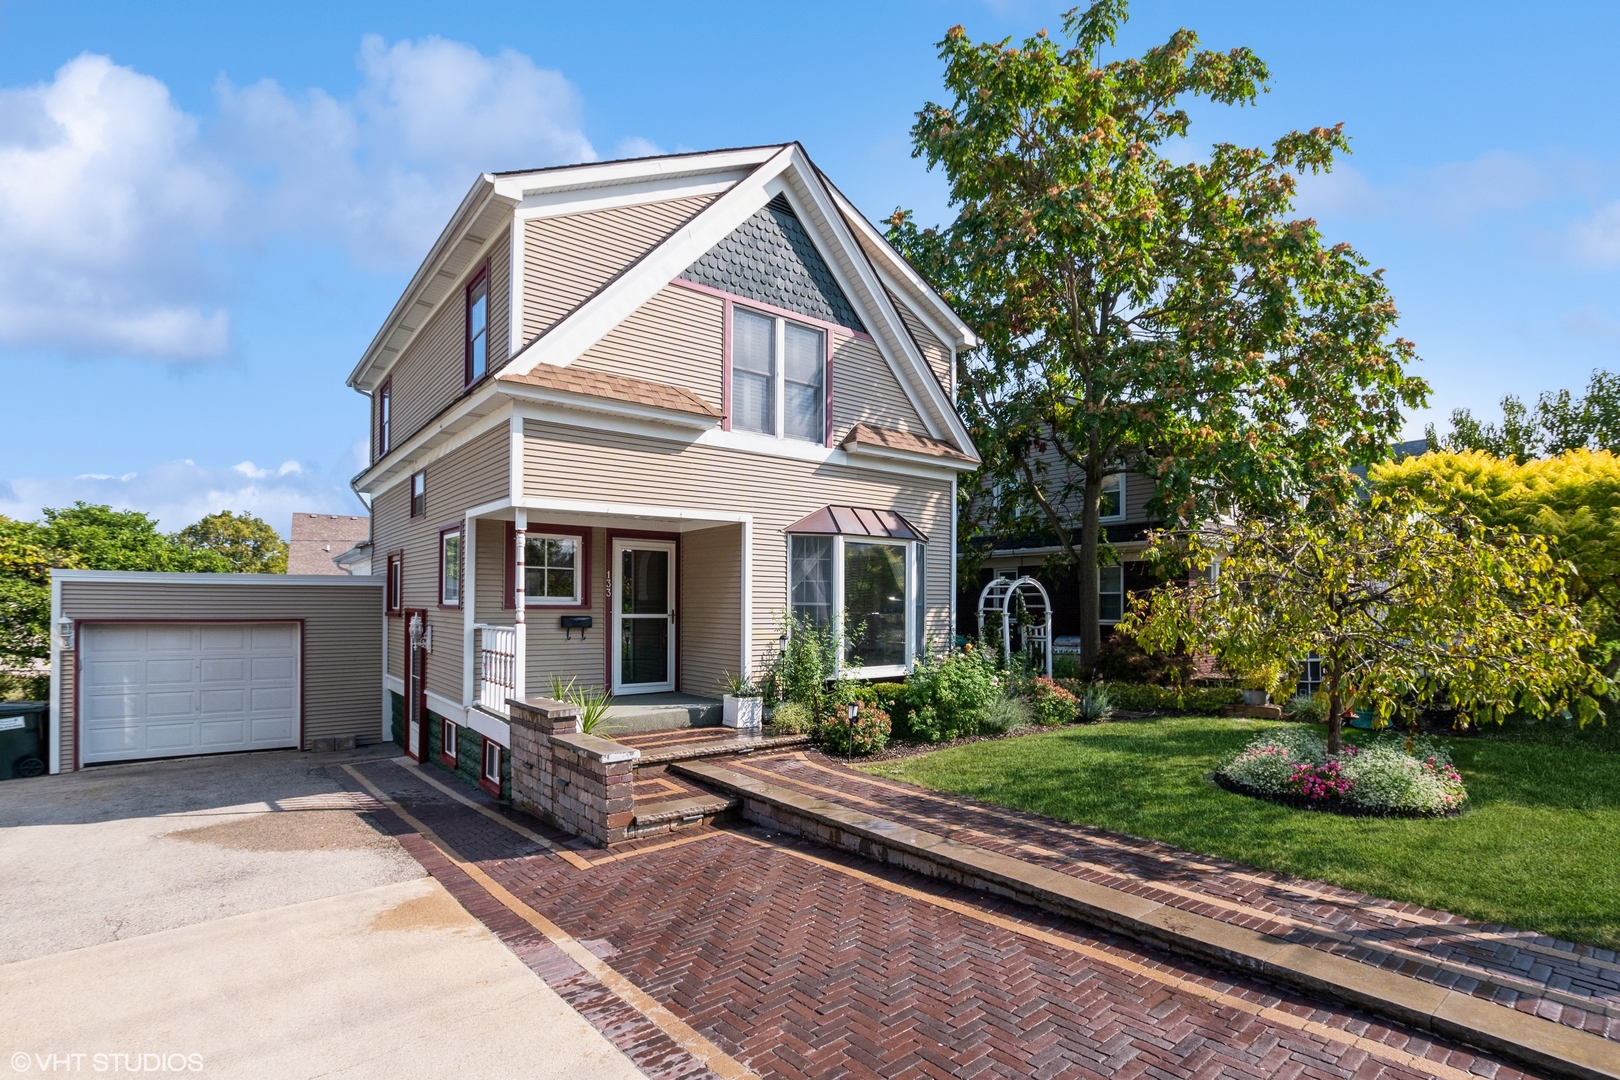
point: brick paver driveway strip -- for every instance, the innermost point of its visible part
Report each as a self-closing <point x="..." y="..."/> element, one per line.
<point x="783" y="959"/>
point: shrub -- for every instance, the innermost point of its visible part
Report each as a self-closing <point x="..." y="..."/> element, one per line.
<point x="947" y="695"/>
<point x="1266" y="765"/>
<point x="1120" y="659"/>
<point x="1306" y="709"/>
<point x="1094" y="704"/>
<point x="1384" y="777"/>
<point x="1052" y="705"/>
<point x="1004" y="714"/>
<point x="1380" y="779"/>
<point x="803" y="670"/>
<point x="1066" y="666"/>
<point x="868" y="735"/>
<point x="793" y="718"/>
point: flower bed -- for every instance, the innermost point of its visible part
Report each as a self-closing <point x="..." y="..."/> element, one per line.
<point x="1292" y="766"/>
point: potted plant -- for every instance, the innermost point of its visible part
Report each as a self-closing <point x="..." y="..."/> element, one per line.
<point x="744" y="704"/>
<point x="1258" y="684"/>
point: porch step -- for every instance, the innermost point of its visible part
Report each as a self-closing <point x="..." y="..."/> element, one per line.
<point x="659" y="712"/>
<point x="688" y="811"/>
<point x="720" y="746"/>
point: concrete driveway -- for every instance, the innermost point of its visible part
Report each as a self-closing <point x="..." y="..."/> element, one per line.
<point x="235" y="916"/>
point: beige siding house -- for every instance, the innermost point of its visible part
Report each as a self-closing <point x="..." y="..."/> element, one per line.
<point x="629" y="416"/>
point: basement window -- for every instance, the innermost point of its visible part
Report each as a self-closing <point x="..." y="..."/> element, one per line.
<point x="448" y="733"/>
<point x="490" y="775"/>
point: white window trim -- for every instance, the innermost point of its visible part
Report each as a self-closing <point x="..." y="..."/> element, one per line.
<point x="483" y="766"/>
<point x="1121" y="568"/>
<point x="779" y="374"/>
<point x="915" y="572"/>
<point x="1120" y="477"/>
<point x="444" y="569"/>
<point x="530" y="600"/>
<point x="455" y="741"/>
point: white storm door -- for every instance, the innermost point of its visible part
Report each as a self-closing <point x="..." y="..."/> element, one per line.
<point x="152" y="690"/>
<point x="643" y="616"/>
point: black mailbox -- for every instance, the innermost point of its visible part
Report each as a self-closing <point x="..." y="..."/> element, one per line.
<point x="570" y="623"/>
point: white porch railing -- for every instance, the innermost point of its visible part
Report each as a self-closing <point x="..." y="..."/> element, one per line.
<point x="497" y="666"/>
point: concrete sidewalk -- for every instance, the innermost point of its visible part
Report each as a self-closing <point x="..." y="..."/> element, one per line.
<point x="241" y="913"/>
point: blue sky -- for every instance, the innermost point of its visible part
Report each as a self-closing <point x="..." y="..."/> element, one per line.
<point x="207" y="209"/>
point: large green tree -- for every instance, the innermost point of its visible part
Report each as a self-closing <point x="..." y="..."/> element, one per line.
<point x="249" y="544"/>
<point x="1560" y="421"/>
<point x="1142" y="306"/>
<point x="1571" y="500"/>
<point x="82" y="536"/>
<point x="1408" y="599"/>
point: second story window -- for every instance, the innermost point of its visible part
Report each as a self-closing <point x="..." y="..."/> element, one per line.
<point x="478" y="327"/>
<point x="778" y="377"/>
<point x="384" y="403"/>
<point x="418" y="494"/>
<point x="395" y="598"/>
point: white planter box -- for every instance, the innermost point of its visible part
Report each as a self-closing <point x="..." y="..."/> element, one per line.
<point x="1256" y="697"/>
<point x="743" y="712"/>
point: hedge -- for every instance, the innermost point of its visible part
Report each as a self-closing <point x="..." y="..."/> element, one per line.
<point x="1136" y="697"/>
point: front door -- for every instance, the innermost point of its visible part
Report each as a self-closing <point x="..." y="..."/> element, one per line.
<point x="415" y="681"/>
<point x="643" y="616"/>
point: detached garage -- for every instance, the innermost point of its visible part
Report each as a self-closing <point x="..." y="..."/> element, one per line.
<point x="168" y="665"/>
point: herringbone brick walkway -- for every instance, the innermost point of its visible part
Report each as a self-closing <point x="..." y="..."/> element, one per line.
<point x="1573" y="984"/>
<point x="796" y="961"/>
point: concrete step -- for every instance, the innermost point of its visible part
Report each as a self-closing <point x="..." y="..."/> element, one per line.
<point x="688" y="811"/>
<point x="720" y="746"/>
<point x="629" y="716"/>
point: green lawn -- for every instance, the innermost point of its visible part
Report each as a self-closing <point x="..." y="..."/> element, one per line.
<point x="1538" y="848"/>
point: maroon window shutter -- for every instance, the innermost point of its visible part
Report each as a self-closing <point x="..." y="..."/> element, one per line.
<point x="509" y="594"/>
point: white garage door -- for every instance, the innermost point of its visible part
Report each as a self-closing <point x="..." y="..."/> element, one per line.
<point x="151" y="690"/>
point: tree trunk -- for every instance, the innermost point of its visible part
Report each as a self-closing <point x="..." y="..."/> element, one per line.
<point x="1335" y="740"/>
<point x="1086" y="572"/>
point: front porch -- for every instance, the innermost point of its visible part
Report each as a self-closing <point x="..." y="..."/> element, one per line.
<point x="651" y="608"/>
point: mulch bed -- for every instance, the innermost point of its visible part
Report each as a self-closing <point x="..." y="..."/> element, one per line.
<point x="1300" y="802"/>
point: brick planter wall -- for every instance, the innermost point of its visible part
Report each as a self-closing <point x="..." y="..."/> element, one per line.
<point x="580" y="783"/>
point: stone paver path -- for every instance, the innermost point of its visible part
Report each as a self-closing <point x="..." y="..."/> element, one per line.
<point x="741" y="953"/>
<point x="1572" y="984"/>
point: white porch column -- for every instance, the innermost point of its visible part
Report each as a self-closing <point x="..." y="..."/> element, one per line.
<point x="469" y="603"/>
<point x="520" y="662"/>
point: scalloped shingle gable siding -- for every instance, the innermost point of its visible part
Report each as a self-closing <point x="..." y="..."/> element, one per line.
<point x="770" y="258"/>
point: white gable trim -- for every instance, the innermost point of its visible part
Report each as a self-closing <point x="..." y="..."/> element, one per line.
<point x="520" y="186"/>
<point x="780" y="186"/>
<point x="960" y="335"/>
<point x="922" y="375"/>
<point x="590" y="322"/>
<point x="549" y="204"/>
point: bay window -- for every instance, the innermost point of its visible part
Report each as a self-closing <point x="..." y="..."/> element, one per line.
<point x="778" y="377"/>
<point x="869" y="589"/>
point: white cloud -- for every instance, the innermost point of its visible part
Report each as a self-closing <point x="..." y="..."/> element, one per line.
<point x="1595" y="241"/>
<point x="110" y="194"/>
<point x="386" y="168"/>
<point x="179" y="492"/>
<point x="1452" y="195"/>
<point x="634" y="146"/>
<point x="105" y="191"/>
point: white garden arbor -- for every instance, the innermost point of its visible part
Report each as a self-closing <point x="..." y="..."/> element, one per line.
<point x="1025" y="613"/>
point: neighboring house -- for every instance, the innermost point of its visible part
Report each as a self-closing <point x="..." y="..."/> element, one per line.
<point x="1125" y="524"/>
<point x="356" y="561"/>
<point x="317" y="539"/>
<point x="626" y="415"/>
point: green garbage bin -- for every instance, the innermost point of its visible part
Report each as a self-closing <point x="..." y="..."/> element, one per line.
<point x="24" y="746"/>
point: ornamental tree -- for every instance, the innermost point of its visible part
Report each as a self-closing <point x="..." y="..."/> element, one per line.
<point x="1139" y="308"/>
<point x="248" y="543"/>
<point x="1572" y="501"/>
<point x="1408" y="601"/>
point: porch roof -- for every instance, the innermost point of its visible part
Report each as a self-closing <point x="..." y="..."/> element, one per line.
<point x="599" y="384"/>
<point x="857" y="521"/>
